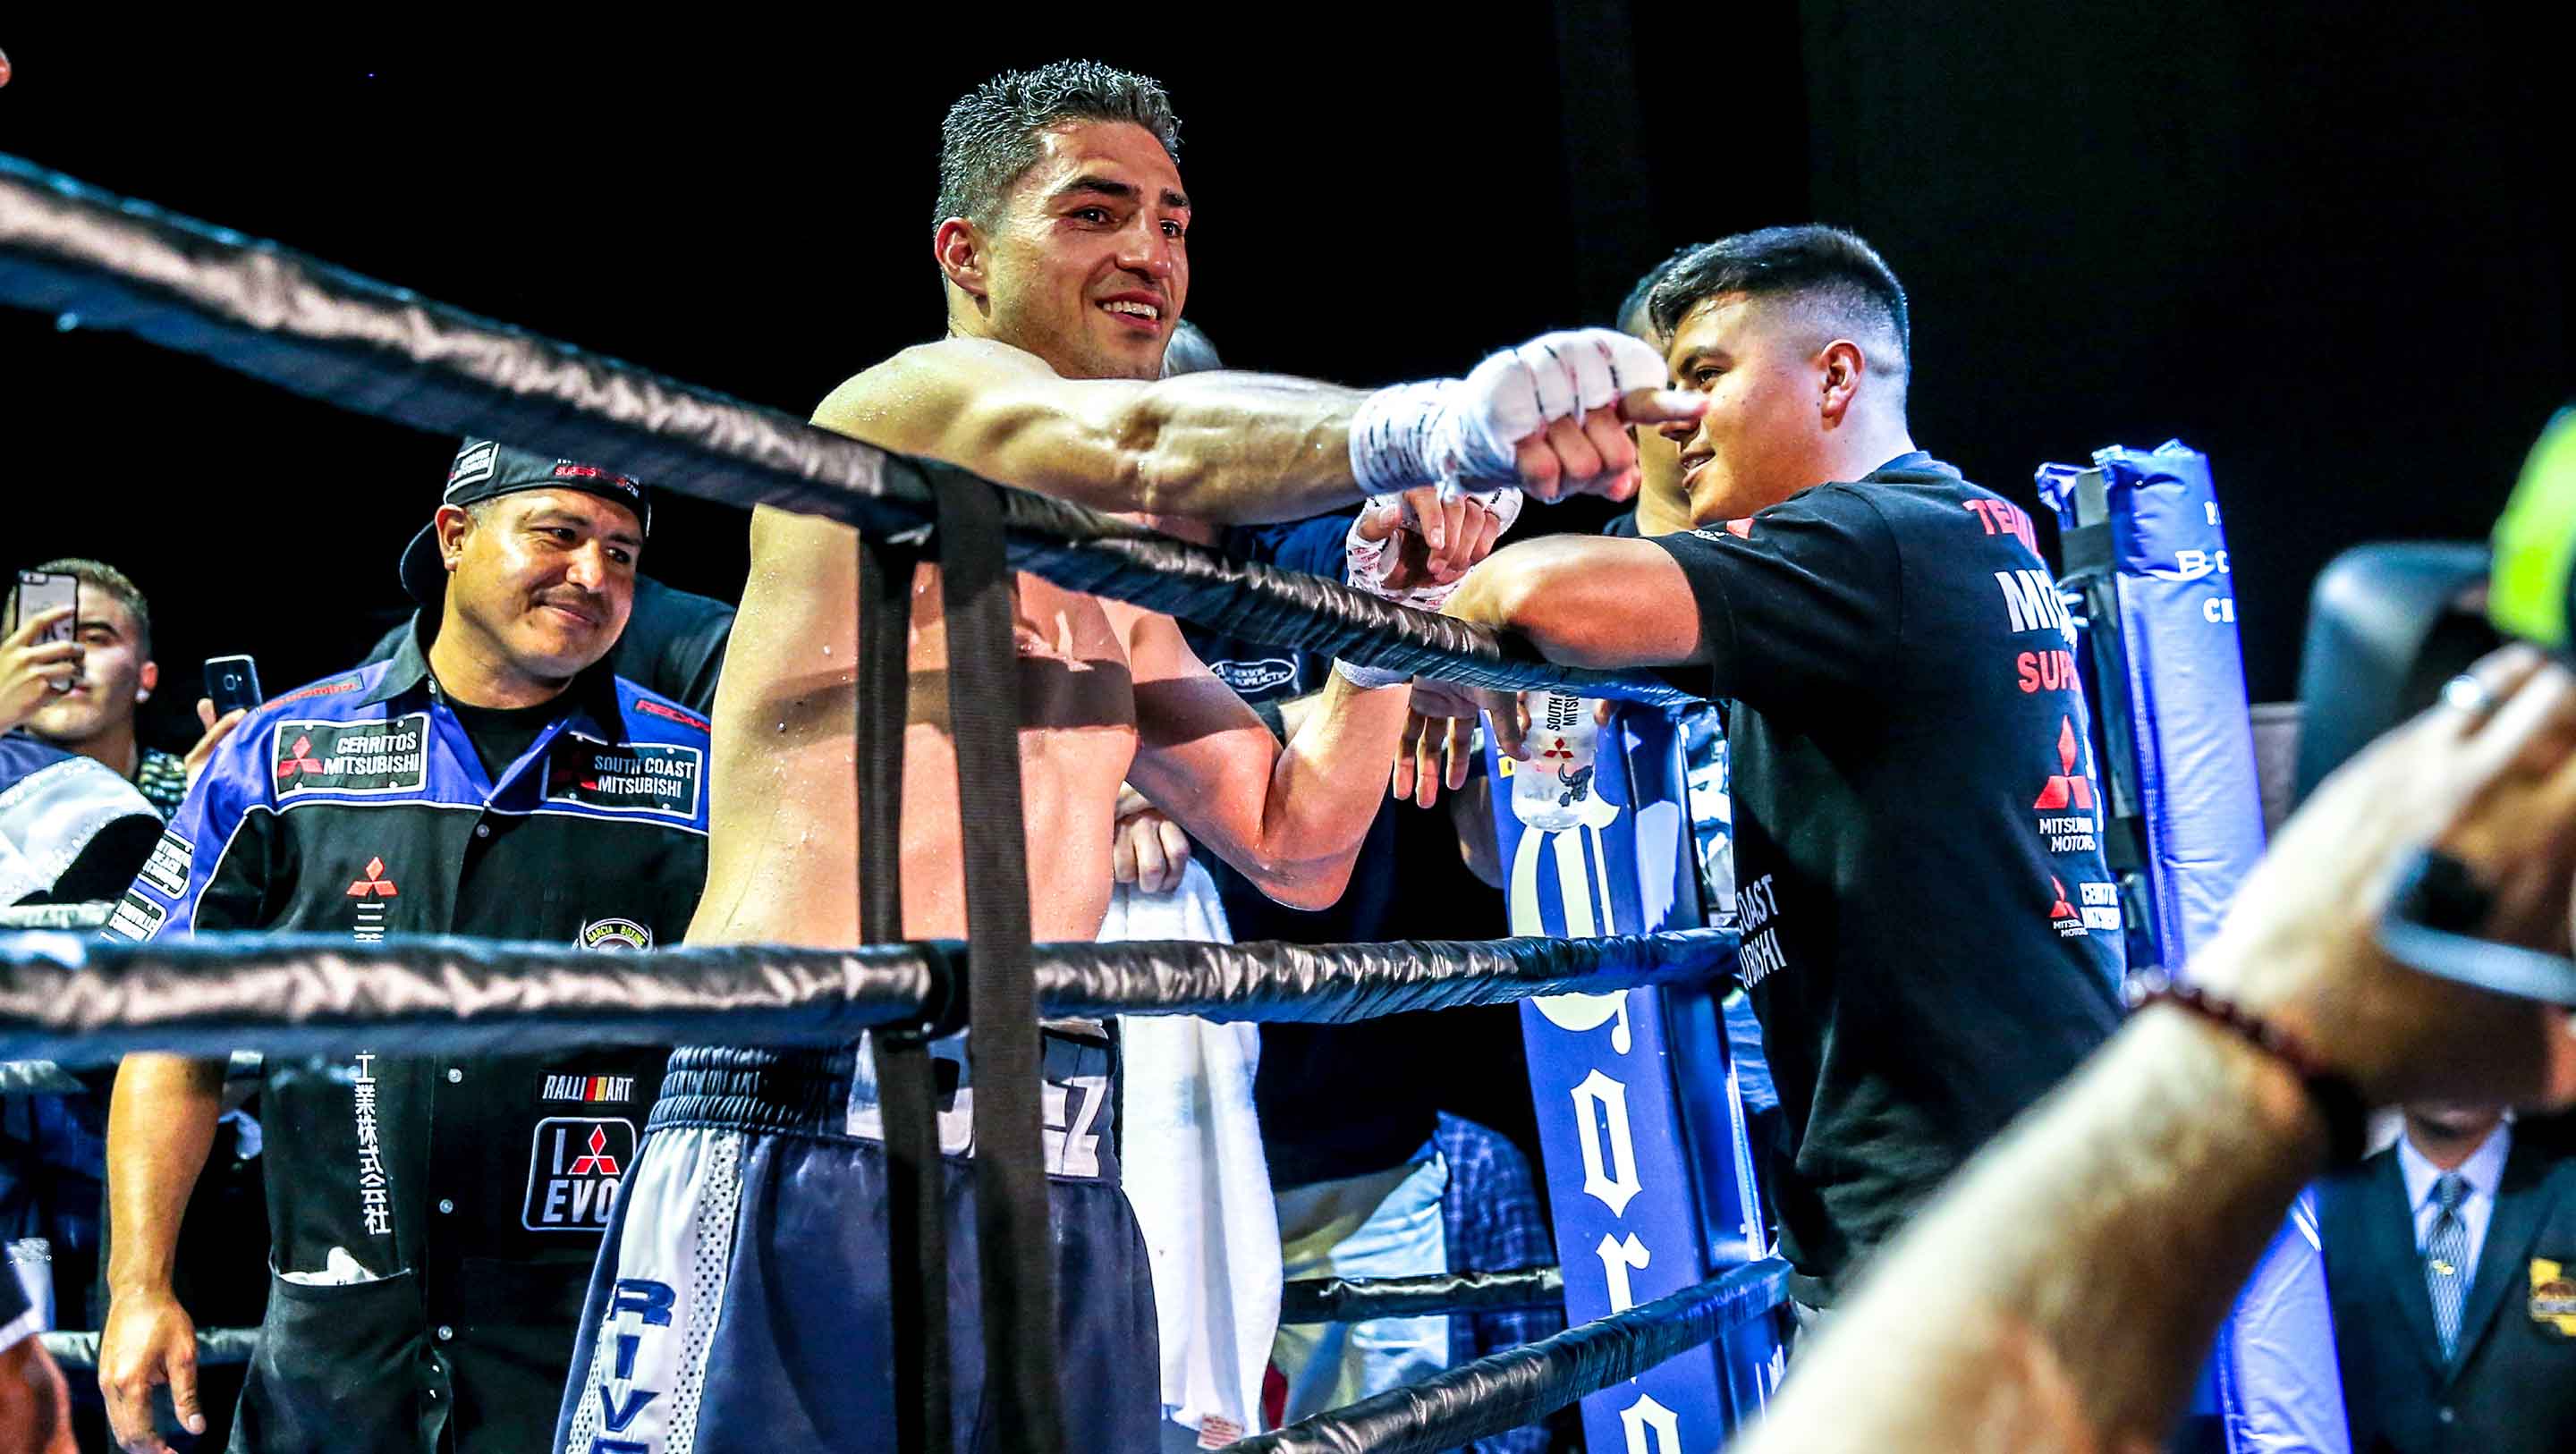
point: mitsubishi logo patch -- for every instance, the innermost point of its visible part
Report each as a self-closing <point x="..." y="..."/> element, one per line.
<point x="573" y="1173"/>
<point x="371" y="891"/>
<point x="629" y="778"/>
<point x="374" y="883"/>
<point x="352" y="757"/>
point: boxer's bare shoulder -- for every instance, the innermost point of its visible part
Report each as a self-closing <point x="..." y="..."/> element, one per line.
<point x="1000" y="412"/>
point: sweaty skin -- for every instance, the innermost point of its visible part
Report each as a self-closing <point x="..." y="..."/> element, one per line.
<point x="1063" y="406"/>
<point x="1059" y="309"/>
<point x="785" y="809"/>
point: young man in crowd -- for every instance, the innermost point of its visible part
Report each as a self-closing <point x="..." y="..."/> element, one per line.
<point x="92" y="710"/>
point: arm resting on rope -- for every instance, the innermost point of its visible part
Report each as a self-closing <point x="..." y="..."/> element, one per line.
<point x="160" y="1125"/>
<point x="1213" y="446"/>
<point x="1582" y="600"/>
<point x="2036" y="1304"/>
<point x="1290" y="817"/>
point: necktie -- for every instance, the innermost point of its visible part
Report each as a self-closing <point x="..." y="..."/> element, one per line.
<point x="2446" y="1260"/>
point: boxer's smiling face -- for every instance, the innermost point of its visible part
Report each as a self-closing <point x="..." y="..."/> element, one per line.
<point x="1762" y="439"/>
<point x="1088" y="268"/>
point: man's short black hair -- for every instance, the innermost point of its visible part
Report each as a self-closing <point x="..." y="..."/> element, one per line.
<point x="990" y="136"/>
<point x="1824" y="263"/>
<point x="1633" y="317"/>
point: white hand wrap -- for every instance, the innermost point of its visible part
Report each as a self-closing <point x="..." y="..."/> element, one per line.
<point x="1464" y="433"/>
<point x="1368" y="563"/>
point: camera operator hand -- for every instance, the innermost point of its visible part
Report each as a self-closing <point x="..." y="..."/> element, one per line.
<point x="2494" y="787"/>
<point x="31" y="671"/>
<point x="149" y="1340"/>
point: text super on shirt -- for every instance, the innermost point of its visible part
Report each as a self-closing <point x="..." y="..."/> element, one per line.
<point x="1931" y="938"/>
<point x="358" y="807"/>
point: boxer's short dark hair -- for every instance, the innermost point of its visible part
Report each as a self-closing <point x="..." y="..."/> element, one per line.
<point x="991" y="134"/>
<point x="1825" y="263"/>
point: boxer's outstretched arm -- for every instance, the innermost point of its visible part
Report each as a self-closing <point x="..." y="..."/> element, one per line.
<point x="1214" y="446"/>
<point x="1247" y="448"/>
<point x="1587" y="600"/>
<point x="1290" y="817"/>
<point x="2060" y="1293"/>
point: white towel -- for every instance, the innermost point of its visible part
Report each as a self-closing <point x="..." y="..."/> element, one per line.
<point x="1191" y="1162"/>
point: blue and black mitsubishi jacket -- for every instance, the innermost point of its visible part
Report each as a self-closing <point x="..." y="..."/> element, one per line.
<point x="470" y="1192"/>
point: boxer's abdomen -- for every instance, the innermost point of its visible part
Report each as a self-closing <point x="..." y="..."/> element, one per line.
<point x="782" y="864"/>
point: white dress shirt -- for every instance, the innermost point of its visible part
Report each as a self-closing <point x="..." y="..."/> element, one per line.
<point x="2484" y="1172"/>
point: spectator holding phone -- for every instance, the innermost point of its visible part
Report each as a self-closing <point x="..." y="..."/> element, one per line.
<point x="73" y="826"/>
<point x="93" y="683"/>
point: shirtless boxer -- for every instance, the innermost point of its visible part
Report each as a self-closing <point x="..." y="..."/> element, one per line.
<point x="1060" y="245"/>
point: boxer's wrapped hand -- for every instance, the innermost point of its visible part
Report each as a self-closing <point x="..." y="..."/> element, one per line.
<point x="1415" y="547"/>
<point x="1551" y="416"/>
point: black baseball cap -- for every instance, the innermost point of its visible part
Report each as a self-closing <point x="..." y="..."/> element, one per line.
<point x="485" y="469"/>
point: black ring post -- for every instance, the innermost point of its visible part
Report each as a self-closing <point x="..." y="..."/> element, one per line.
<point x="907" y="1091"/>
<point x="1014" y="1250"/>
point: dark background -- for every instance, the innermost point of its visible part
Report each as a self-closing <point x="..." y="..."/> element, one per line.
<point x="2328" y="244"/>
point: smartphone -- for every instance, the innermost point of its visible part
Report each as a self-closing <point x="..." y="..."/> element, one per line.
<point x="233" y="683"/>
<point x="41" y="591"/>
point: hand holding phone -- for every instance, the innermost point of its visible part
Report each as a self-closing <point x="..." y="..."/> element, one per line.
<point x="232" y="690"/>
<point x="232" y="684"/>
<point x="38" y="593"/>
<point x="39" y="656"/>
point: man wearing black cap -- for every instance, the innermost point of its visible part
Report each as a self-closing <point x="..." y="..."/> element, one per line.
<point x="674" y="642"/>
<point x="432" y="1221"/>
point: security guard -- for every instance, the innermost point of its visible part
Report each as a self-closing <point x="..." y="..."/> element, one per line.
<point x="432" y="1222"/>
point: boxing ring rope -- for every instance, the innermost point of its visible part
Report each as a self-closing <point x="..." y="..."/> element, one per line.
<point x="78" y="1001"/>
<point x="1505" y="1390"/>
<point x="303" y="325"/>
<point x="265" y="311"/>
<point x="1361" y="1299"/>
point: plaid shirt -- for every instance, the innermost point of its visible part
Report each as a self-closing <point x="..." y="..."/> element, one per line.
<point x="1492" y="1219"/>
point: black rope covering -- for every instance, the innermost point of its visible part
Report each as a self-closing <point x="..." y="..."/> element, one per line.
<point x="1330" y="983"/>
<point x="1508" y="1389"/>
<point x="80" y="1001"/>
<point x="78" y="1352"/>
<point x="327" y="333"/>
<point x="83" y="1001"/>
<point x="1359" y="1299"/>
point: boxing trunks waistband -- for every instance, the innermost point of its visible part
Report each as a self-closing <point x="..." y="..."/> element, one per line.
<point x="833" y="1092"/>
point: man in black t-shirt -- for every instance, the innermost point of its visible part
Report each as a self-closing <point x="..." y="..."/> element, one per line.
<point x="1931" y="939"/>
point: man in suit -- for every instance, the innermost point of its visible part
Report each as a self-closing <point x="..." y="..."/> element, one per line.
<point x="2451" y="1259"/>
